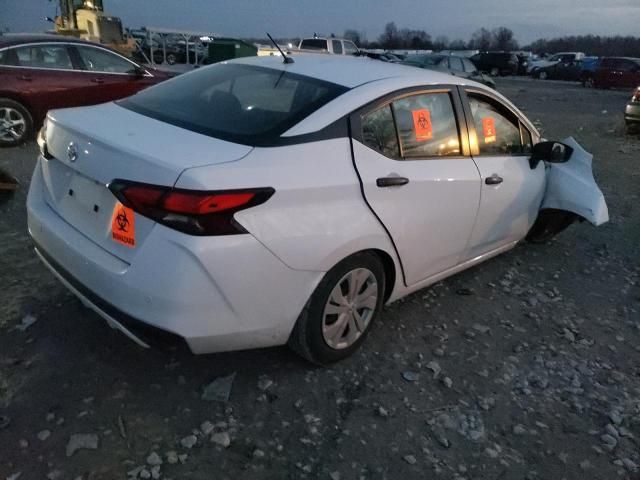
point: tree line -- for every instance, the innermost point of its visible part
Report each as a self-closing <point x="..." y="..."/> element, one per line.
<point x="501" y="38"/>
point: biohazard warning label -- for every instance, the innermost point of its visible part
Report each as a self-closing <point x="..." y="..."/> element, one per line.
<point x="123" y="226"/>
<point x="422" y="125"/>
<point x="489" y="129"/>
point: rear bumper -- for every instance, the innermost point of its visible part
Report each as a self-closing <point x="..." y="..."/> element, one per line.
<point x="632" y="113"/>
<point x="218" y="293"/>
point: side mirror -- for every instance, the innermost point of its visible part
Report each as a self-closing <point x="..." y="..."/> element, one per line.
<point x="139" y="72"/>
<point x="552" y="152"/>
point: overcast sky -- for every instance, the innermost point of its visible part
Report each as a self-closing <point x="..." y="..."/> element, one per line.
<point x="529" y="19"/>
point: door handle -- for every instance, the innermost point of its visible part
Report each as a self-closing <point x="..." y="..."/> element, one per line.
<point x="97" y="80"/>
<point x="25" y="78"/>
<point x="391" y="181"/>
<point x="494" y="179"/>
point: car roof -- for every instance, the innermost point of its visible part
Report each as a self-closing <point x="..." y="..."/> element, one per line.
<point x="11" y="39"/>
<point x="350" y="71"/>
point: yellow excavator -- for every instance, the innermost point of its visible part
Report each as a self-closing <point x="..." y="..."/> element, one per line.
<point x="86" y="19"/>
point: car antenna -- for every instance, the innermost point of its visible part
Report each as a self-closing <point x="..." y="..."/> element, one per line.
<point x="285" y="59"/>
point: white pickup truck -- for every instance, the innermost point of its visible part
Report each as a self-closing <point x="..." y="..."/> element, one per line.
<point x="338" y="46"/>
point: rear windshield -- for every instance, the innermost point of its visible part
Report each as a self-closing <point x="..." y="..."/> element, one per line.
<point x="239" y="103"/>
<point x="314" y="44"/>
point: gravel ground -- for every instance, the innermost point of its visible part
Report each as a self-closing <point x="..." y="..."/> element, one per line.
<point x="525" y="367"/>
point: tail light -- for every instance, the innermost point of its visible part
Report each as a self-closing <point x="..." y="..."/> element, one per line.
<point x="190" y="211"/>
<point x="636" y="96"/>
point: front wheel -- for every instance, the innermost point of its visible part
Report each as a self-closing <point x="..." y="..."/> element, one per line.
<point x="16" y="124"/>
<point x="339" y="314"/>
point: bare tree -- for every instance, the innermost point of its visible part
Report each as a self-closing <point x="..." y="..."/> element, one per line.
<point x="389" y="39"/>
<point x="441" y="43"/>
<point x="458" y="44"/>
<point x="481" y="39"/>
<point x="503" y="39"/>
<point x="354" y="36"/>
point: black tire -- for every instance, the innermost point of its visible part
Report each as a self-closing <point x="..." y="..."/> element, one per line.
<point x="24" y="134"/>
<point x="171" y="58"/>
<point x="307" y="338"/>
<point x="549" y="223"/>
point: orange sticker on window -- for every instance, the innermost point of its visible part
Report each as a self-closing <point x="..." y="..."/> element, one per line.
<point x="123" y="226"/>
<point x="489" y="129"/>
<point x="422" y="125"/>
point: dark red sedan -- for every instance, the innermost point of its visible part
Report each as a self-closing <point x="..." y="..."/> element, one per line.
<point x="42" y="72"/>
<point x="618" y="72"/>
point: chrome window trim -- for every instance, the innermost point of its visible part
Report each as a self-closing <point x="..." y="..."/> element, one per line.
<point x="74" y="44"/>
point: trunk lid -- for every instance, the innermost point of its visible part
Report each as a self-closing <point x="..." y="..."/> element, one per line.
<point x="93" y="146"/>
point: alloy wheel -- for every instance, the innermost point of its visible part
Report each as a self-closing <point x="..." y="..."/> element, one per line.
<point x="349" y="308"/>
<point x="13" y="125"/>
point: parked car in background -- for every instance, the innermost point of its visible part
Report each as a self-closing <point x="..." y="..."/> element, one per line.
<point x="496" y="63"/>
<point x="43" y="72"/>
<point x="617" y="72"/>
<point x="570" y="71"/>
<point x="382" y="56"/>
<point x="261" y="203"/>
<point x="589" y="67"/>
<point x="451" y="64"/>
<point x="562" y="57"/>
<point x="632" y="112"/>
<point x="337" y="46"/>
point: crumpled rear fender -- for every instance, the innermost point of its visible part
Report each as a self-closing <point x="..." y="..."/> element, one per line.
<point x="572" y="188"/>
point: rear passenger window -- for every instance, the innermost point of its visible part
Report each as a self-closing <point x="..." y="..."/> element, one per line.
<point x="44" y="56"/>
<point x="379" y="132"/>
<point x="427" y="126"/>
<point x="497" y="129"/>
<point x="337" y="46"/>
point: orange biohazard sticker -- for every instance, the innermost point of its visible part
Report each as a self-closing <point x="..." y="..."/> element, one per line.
<point x="123" y="226"/>
<point x="422" y="125"/>
<point x="489" y="129"/>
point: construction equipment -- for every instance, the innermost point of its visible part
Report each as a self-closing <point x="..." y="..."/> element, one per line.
<point x="86" y="19"/>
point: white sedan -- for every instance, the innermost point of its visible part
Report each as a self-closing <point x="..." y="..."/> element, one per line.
<point x="256" y="203"/>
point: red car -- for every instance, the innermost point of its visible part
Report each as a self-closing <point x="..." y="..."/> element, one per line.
<point x="42" y="72"/>
<point x="618" y="72"/>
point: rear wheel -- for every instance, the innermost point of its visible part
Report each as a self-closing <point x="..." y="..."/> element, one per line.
<point x="339" y="314"/>
<point x="16" y="124"/>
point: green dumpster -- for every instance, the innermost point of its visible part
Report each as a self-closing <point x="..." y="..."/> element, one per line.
<point x="221" y="49"/>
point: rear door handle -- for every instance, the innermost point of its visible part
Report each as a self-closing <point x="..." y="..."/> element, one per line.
<point x="494" y="179"/>
<point x="97" y="80"/>
<point x="391" y="181"/>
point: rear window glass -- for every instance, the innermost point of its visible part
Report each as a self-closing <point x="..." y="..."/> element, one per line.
<point x="314" y="44"/>
<point x="240" y="103"/>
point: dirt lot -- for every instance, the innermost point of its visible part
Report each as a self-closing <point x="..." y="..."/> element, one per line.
<point x="525" y="367"/>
